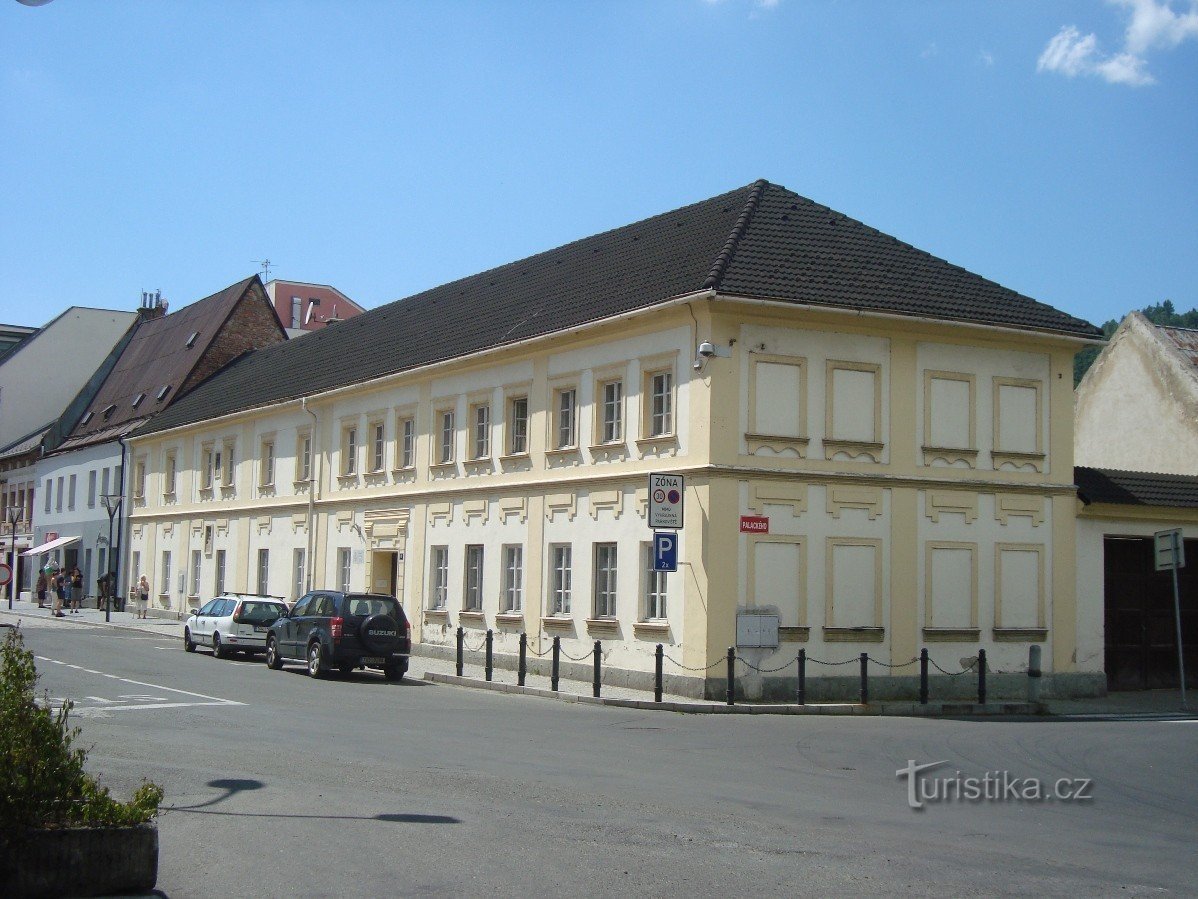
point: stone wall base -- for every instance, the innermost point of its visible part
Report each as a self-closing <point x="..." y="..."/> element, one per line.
<point x="82" y="861"/>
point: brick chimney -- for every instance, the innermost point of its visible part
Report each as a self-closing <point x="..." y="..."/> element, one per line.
<point x="152" y="305"/>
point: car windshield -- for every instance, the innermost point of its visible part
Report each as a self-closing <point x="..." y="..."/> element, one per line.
<point x="260" y="612"/>
<point x="372" y="605"/>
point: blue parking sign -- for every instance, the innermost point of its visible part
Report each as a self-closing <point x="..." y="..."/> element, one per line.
<point x="665" y="551"/>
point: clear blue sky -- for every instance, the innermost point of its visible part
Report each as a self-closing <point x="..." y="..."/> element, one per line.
<point x="388" y="147"/>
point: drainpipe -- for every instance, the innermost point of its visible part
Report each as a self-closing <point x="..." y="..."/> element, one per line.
<point x="312" y="482"/>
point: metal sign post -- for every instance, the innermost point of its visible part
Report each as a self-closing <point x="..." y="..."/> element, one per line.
<point x="1171" y="554"/>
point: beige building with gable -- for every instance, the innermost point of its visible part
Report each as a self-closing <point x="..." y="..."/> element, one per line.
<point x="482" y="450"/>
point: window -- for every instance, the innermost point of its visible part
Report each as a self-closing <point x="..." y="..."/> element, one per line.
<point x="661" y="404"/>
<point x="605" y="580"/>
<point x="264" y="572"/>
<point x="103" y="557"/>
<point x="407" y="442"/>
<point x="91" y="489"/>
<point x="207" y="467"/>
<point x="445" y="448"/>
<point x="612" y="411"/>
<point x="71" y="492"/>
<point x="164" y="586"/>
<point x="378" y="446"/>
<point x="297" y="589"/>
<point x="136" y="573"/>
<point x="473" y="599"/>
<point x="655" y="586"/>
<point x="137" y="400"/>
<point x="103" y="486"/>
<point x="139" y="479"/>
<point x="344" y="568"/>
<point x="296" y="312"/>
<point x="88" y="578"/>
<point x="560" y="560"/>
<point x="50" y="491"/>
<point x="172" y="470"/>
<point x="304" y="458"/>
<point x="191" y="340"/>
<point x="438" y="582"/>
<point x="565" y="418"/>
<point x="220" y="571"/>
<point x="480" y="422"/>
<point x="266" y="463"/>
<point x="349" y="451"/>
<point x="513" y="579"/>
<point x="518" y="426"/>
<point x="196" y="557"/>
<point x="227" y="471"/>
<point x="163" y="391"/>
<point x="58" y="500"/>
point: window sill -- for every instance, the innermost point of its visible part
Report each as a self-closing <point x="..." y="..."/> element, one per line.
<point x="777" y="444"/>
<point x="375" y="478"/>
<point x="951" y="634"/>
<point x="168" y="497"/>
<point x="1018" y="459"/>
<point x="443" y="468"/>
<point x="855" y="449"/>
<point x="854" y="634"/>
<point x="266" y="489"/>
<point x="606" y="625"/>
<point x="557" y="622"/>
<point x="561" y="452"/>
<point x="472" y="617"/>
<point x="206" y="493"/>
<point x="509" y="619"/>
<point x="660" y="441"/>
<point x="480" y="466"/>
<point x="651" y="629"/>
<point x="301" y="486"/>
<point x="436" y="614"/>
<point x="950" y="455"/>
<point x="513" y="457"/>
<point x="1020" y="634"/>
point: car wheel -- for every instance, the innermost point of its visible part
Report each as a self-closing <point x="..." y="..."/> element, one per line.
<point x="188" y="643"/>
<point x="274" y="661"/>
<point x="316" y="666"/>
<point x="394" y="673"/>
<point x="218" y="650"/>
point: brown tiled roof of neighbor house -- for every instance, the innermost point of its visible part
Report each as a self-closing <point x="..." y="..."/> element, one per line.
<point x="759" y="241"/>
<point x="1136" y="488"/>
<point x="1185" y="339"/>
<point x="159" y="361"/>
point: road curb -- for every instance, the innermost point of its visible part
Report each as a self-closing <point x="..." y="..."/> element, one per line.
<point x="902" y="709"/>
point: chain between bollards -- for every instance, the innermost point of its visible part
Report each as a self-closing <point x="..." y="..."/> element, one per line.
<point x="659" y="657"/>
<point x="557" y="652"/>
<point x="461" y="648"/>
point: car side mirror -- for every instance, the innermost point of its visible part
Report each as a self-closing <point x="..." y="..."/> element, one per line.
<point x="195" y="612"/>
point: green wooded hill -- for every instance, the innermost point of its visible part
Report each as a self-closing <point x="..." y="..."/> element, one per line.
<point x="1160" y="314"/>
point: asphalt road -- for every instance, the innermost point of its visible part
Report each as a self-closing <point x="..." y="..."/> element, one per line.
<point x="280" y="785"/>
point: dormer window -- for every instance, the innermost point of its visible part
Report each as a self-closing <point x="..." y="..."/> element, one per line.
<point x="163" y="392"/>
<point x="137" y="400"/>
<point x="86" y="418"/>
<point x="108" y="410"/>
<point x="191" y="341"/>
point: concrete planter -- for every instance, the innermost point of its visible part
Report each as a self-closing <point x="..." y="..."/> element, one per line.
<point x="83" y="861"/>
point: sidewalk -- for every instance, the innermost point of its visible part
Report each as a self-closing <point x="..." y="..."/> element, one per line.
<point x="28" y="612"/>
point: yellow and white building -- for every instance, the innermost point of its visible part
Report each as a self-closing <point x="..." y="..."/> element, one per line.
<point x="483" y="449"/>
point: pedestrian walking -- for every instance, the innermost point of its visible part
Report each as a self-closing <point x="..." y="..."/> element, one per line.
<point x="41" y="590"/>
<point x="143" y="597"/>
<point x="60" y="595"/>
<point x="76" y="589"/>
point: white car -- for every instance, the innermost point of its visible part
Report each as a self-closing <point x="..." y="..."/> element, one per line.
<point x="233" y="622"/>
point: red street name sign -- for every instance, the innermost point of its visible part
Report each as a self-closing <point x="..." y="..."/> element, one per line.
<point x="754" y="524"/>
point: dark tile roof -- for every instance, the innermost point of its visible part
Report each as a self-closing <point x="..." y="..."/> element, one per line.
<point x="1136" y="488"/>
<point x="1185" y="339"/>
<point x="156" y="356"/>
<point x="758" y="241"/>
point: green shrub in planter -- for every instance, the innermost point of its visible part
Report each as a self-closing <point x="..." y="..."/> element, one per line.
<point x="42" y="781"/>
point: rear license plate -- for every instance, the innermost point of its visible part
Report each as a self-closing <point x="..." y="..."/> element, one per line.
<point x="373" y="660"/>
<point x="260" y="628"/>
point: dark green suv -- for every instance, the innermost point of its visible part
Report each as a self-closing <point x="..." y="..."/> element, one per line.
<point x="333" y="631"/>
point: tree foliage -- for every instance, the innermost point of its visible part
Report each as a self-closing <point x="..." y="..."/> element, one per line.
<point x="42" y="781"/>
<point x="1160" y="314"/>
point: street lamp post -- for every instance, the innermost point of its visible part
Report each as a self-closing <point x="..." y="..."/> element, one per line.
<point x="112" y="505"/>
<point x="13" y="514"/>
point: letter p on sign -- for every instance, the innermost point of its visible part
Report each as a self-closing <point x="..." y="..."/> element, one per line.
<point x="665" y="552"/>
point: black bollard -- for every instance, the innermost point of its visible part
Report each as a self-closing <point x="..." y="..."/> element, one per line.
<point x="981" y="677"/>
<point x="598" y="672"/>
<point x="923" y="676"/>
<point x="657" y="664"/>
<point x="802" y="660"/>
<point x="490" y="644"/>
<point x="523" y="659"/>
<point x="557" y="650"/>
<point x="461" y="641"/>
<point x="865" y="678"/>
<point x="731" y="675"/>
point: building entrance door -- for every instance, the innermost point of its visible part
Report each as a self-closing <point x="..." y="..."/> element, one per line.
<point x="385" y="572"/>
<point x="1141" y="635"/>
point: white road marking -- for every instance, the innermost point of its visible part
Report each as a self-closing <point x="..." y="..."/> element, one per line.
<point x="210" y="700"/>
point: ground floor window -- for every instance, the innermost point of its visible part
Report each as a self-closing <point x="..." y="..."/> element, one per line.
<point x="220" y="572"/>
<point x="297" y="589"/>
<point x="344" y="568"/>
<point x="164" y="588"/>
<point x="513" y="578"/>
<point x="561" y="560"/>
<point x="655" y="586"/>
<point x="472" y="600"/>
<point x="438" y="587"/>
<point x="264" y="572"/>
<point x="196" y="556"/>
<point x="605" y="580"/>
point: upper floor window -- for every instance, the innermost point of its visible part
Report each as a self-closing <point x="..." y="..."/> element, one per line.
<point x="565" y="418"/>
<point x="228" y="468"/>
<point x="480" y="425"/>
<point x="445" y="445"/>
<point x="661" y="404"/>
<point x="378" y="446"/>
<point x="612" y="411"/>
<point x="407" y="442"/>
<point x="207" y="468"/>
<point x="266" y="473"/>
<point x="91" y="489"/>
<point x="139" y="479"/>
<point x="517" y="426"/>
<point x="297" y="311"/>
<point x="349" y="451"/>
<point x="171" y="469"/>
<point x="303" y="454"/>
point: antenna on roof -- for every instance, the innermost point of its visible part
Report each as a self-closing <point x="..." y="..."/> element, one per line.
<point x="265" y="263"/>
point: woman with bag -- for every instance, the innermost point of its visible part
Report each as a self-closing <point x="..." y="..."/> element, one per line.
<point x="41" y="590"/>
<point x="76" y="582"/>
<point x="143" y="597"/>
